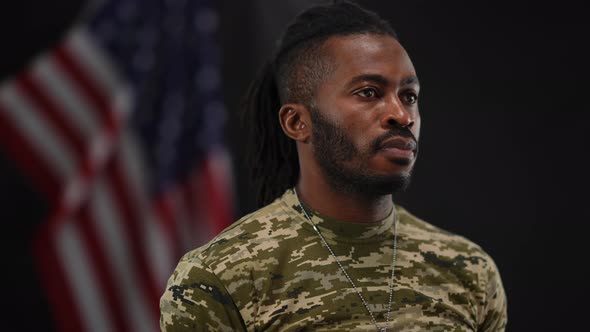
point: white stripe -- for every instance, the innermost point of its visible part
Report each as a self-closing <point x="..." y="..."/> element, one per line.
<point x="32" y="125"/>
<point x="82" y="44"/>
<point x="158" y="248"/>
<point x="81" y="277"/>
<point x="108" y="225"/>
<point x="102" y="71"/>
<point x="82" y="115"/>
<point x="72" y="104"/>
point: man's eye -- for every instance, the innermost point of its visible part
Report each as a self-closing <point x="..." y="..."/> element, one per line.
<point x="368" y="93"/>
<point x="411" y="98"/>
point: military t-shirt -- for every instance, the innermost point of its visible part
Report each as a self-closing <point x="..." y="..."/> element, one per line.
<point x="270" y="271"/>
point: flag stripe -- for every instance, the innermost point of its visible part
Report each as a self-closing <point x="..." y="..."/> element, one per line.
<point x="30" y="161"/>
<point x="182" y="218"/>
<point x="111" y="226"/>
<point x="90" y="56"/>
<point x="208" y="183"/>
<point x="195" y="208"/>
<point x="100" y="69"/>
<point x="216" y="184"/>
<point x="75" y="107"/>
<point x="46" y="107"/>
<point x="66" y="313"/>
<point x="156" y="245"/>
<point x="107" y="284"/>
<point x="164" y="211"/>
<point x="31" y="123"/>
<point x="87" y="88"/>
<point x="81" y="274"/>
<point x="160" y="250"/>
<point x="132" y="223"/>
<point x="172" y="212"/>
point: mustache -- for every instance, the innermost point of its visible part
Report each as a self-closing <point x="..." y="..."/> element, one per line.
<point x="396" y="131"/>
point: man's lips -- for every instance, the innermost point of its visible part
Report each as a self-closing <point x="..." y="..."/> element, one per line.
<point x="399" y="147"/>
<point x="399" y="142"/>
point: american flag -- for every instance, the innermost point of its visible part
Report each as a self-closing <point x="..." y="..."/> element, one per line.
<point x="120" y="127"/>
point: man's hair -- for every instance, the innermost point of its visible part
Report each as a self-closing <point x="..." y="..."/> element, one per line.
<point x="292" y="75"/>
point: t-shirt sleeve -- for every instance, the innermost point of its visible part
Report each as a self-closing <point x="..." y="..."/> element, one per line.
<point x="196" y="300"/>
<point x="495" y="305"/>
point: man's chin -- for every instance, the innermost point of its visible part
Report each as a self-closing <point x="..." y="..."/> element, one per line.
<point x="390" y="184"/>
<point x="377" y="185"/>
<point x="398" y="166"/>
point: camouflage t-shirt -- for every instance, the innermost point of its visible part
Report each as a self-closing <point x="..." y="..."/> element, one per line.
<point x="269" y="271"/>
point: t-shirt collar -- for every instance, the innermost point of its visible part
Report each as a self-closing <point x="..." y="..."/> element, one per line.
<point x="336" y="229"/>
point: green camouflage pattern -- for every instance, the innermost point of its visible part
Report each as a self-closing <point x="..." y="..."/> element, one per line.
<point x="269" y="271"/>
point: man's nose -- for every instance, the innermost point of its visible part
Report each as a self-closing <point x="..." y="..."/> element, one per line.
<point x="396" y="114"/>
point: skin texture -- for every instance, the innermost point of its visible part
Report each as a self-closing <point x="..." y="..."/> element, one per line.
<point x="369" y="99"/>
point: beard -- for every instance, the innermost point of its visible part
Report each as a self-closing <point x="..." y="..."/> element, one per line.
<point x="345" y="167"/>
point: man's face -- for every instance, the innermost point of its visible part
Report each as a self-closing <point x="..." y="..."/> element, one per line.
<point x="365" y="118"/>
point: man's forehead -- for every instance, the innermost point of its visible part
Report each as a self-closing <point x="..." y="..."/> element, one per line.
<point x="366" y="54"/>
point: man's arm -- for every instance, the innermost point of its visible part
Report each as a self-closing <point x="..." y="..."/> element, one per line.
<point x="196" y="300"/>
<point x="495" y="306"/>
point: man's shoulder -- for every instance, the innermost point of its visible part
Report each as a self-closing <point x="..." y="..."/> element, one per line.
<point x="435" y="256"/>
<point x="242" y="240"/>
<point x="424" y="232"/>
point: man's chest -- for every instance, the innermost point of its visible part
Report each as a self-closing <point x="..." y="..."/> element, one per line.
<point x="319" y="297"/>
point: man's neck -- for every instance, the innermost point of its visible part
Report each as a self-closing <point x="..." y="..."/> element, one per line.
<point x="344" y="206"/>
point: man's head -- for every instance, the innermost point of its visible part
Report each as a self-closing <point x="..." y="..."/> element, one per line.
<point x="300" y="60"/>
<point x="345" y="91"/>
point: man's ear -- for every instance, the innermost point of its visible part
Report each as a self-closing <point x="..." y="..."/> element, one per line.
<point x="295" y="121"/>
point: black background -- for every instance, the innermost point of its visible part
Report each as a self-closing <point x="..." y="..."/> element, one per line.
<point x="503" y="144"/>
<point x="504" y="135"/>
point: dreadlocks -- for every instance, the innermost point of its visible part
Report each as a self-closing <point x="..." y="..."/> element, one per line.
<point x="292" y="75"/>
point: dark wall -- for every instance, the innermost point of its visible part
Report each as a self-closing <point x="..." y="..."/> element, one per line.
<point x="504" y="135"/>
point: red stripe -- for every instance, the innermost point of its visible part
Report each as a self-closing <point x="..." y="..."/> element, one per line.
<point x="65" y="311"/>
<point x="51" y="111"/>
<point x="184" y="220"/>
<point x="218" y="202"/>
<point x="18" y="147"/>
<point x="103" y="271"/>
<point x="129" y="209"/>
<point x="195" y="206"/>
<point x="165" y="212"/>
<point x="83" y="78"/>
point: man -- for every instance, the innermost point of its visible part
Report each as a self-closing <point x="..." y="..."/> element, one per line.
<point x="335" y="126"/>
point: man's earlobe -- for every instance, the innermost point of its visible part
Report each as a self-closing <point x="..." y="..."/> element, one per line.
<point x="294" y="119"/>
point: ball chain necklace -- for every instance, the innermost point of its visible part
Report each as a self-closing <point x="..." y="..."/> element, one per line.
<point x="388" y="316"/>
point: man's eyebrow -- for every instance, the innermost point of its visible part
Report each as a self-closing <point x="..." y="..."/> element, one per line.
<point x="380" y="79"/>
<point x="412" y="80"/>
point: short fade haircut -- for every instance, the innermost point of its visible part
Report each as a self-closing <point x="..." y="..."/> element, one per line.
<point x="292" y="75"/>
<point x="300" y="63"/>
